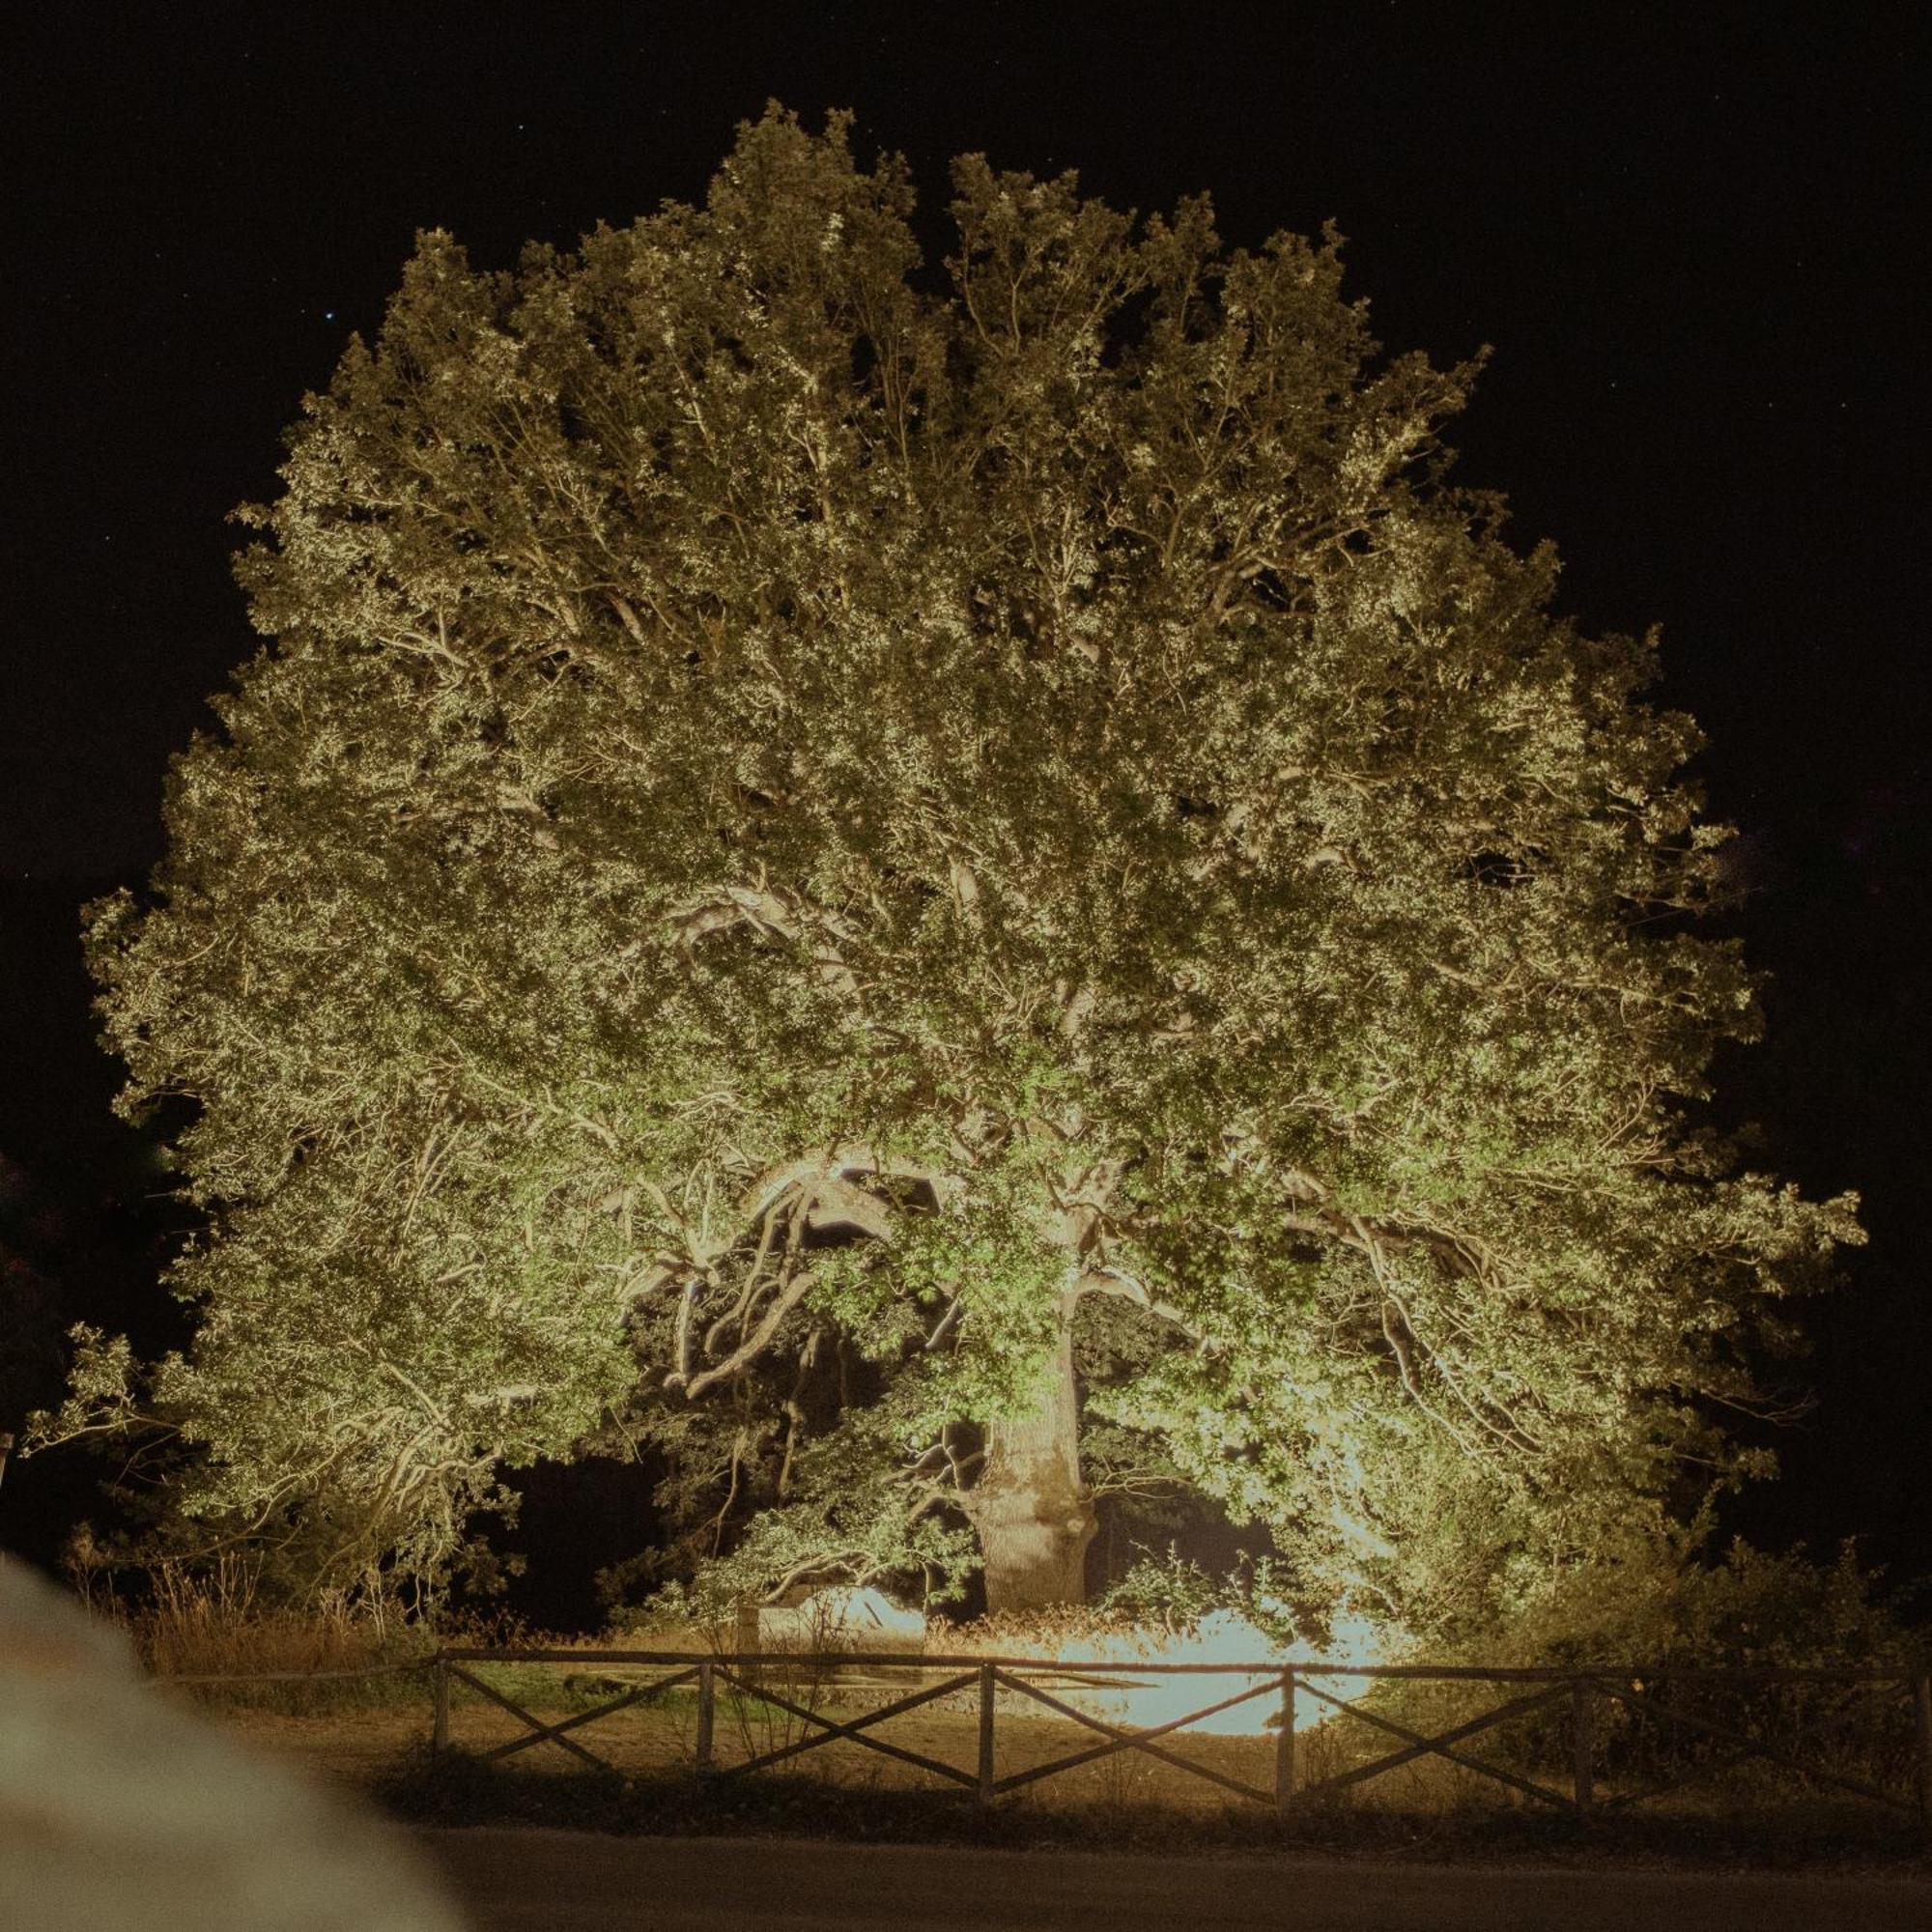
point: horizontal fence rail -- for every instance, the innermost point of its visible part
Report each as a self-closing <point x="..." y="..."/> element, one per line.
<point x="1111" y="1669"/>
<point x="1653" y="1702"/>
<point x="416" y="1667"/>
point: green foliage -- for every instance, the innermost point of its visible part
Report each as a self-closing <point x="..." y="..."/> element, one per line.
<point x="1664" y="1605"/>
<point x="1744" y="1610"/>
<point x="1163" y="1593"/>
<point x="796" y="824"/>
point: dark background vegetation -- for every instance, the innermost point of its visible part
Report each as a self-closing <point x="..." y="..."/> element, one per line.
<point x="1691" y="233"/>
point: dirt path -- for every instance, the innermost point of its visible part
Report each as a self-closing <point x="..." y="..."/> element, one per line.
<point x="568" y="1882"/>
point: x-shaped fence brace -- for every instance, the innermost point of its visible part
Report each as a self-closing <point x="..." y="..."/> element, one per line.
<point x="1418" y="1745"/>
<point x="990" y="1677"/>
<point x="1743" y="1746"/>
<point x="1126" y="1739"/>
<point x="855" y="1731"/>
<point x="541" y="1733"/>
<point x="832" y="1730"/>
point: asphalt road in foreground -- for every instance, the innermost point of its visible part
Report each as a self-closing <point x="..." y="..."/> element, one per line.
<point x="574" y="1882"/>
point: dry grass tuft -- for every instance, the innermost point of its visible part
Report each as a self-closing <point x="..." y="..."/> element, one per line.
<point x="210" y="1620"/>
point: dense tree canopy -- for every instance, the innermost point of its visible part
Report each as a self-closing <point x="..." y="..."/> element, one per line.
<point x="938" y="895"/>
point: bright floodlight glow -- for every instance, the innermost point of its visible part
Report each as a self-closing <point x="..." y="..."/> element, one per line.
<point x="1223" y="1636"/>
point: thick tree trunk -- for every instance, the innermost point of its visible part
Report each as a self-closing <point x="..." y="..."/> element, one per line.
<point x="1032" y="1512"/>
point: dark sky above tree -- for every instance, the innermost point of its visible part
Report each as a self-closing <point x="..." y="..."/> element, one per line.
<point x="1690" y="233"/>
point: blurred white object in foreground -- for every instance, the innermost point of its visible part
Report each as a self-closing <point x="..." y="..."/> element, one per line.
<point x="119" y="1808"/>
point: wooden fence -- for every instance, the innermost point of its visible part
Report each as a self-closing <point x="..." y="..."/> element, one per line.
<point x="1672" y="1703"/>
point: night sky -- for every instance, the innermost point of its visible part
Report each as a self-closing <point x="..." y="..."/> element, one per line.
<point x="1691" y="234"/>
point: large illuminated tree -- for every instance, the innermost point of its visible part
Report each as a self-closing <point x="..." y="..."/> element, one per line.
<point x="879" y="879"/>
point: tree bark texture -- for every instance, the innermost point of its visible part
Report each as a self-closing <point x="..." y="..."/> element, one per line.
<point x="1031" y="1509"/>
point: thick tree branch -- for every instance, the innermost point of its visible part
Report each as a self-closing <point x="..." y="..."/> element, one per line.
<point x="777" y="916"/>
<point x="1119" y="1286"/>
<point x="754" y="1344"/>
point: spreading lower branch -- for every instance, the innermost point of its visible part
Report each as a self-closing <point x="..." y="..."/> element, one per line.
<point x="756" y="1344"/>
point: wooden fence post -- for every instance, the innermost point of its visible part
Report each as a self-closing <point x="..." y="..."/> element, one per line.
<point x="1582" y="1746"/>
<point x="707" y="1706"/>
<point x="1922" y="1698"/>
<point x="438" y="1735"/>
<point x="987" y="1758"/>
<point x="1283" y="1746"/>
